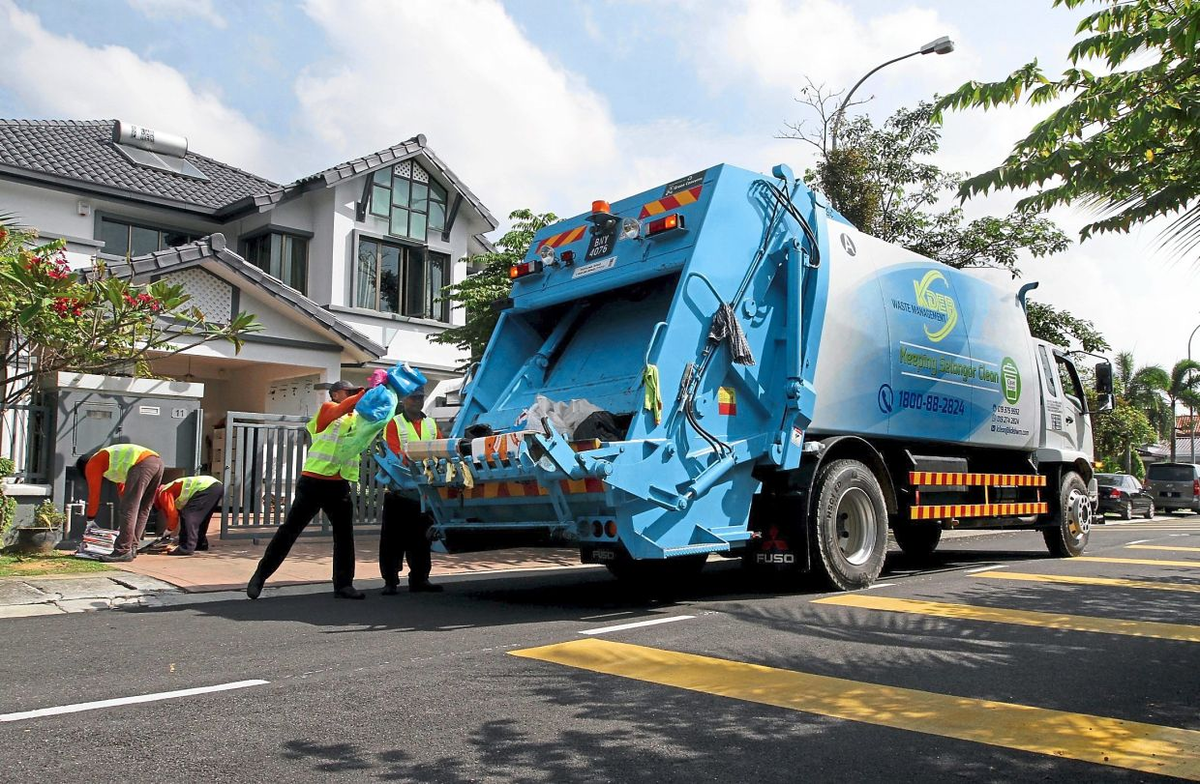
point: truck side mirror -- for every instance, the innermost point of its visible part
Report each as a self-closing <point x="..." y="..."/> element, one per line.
<point x="1104" y="403"/>
<point x="1104" y="379"/>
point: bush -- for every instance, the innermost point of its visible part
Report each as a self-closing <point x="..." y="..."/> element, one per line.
<point x="47" y="515"/>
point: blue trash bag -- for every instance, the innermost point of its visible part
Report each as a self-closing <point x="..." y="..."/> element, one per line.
<point x="404" y="379"/>
<point x="377" y="404"/>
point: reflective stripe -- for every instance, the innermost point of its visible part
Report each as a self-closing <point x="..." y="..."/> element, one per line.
<point x="121" y="458"/>
<point x="408" y="432"/>
<point x="190" y="485"/>
<point x="328" y="456"/>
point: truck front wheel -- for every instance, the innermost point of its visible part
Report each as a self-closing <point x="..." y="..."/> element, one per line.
<point x="1073" y="519"/>
<point x="849" y="525"/>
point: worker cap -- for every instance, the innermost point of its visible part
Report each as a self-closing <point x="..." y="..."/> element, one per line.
<point x="343" y="385"/>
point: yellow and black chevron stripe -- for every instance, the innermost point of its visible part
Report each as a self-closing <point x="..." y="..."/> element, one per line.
<point x="956" y="511"/>
<point x="940" y="478"/>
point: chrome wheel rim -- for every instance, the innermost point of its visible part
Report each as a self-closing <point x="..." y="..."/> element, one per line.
<point x="856" y="530"/>
<point x="1079" y="514"/>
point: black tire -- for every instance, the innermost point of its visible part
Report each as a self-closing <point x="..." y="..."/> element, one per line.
<point x="1072" y="518"/>
<point x="1127" y="511"/>
<point x="1150" y="511"/>
<point x="849" y="526"/>
<point x="917" y="540"/>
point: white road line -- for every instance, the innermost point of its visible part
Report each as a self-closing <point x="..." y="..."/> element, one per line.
<point x="162" y="695"/>
<point x="1140" y="541"/>
<point x="636" y="624"/>
<point x="606" y="615"/>
<point x="986" y="568"/>
<point x="879" y="585"/>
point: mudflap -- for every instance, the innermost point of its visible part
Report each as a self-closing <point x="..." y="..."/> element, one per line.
<point x="780" y="546"/>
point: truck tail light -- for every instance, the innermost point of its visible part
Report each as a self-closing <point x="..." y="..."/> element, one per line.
<point x="672" y="222"/>
<point x="523" y="269"/>
<point x="1114" y="493"/>
<point x="1196" y="487"/>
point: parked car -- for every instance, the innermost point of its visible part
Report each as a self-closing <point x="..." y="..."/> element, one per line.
<point x="1124" y="495"/>
<point x="1174" y="486"/>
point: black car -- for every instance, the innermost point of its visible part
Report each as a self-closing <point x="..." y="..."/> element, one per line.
<point x="1124" y="495"/>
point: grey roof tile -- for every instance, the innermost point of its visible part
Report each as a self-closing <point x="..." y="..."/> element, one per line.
<point x="213" y="247"/>
<point x="82" y="152"/>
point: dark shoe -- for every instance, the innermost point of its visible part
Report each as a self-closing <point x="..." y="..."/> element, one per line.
<point x="424" y="586"/>
<point x="178" y="551"/>
<point x="390" y="589"/>
<point x="255" y="586"/>
<point x="118" y="557"/>
<point x="349" y="592"/>
<point x="202" y="547"/>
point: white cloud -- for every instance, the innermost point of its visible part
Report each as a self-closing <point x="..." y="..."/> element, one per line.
<point x="61" y="77"/>
<point x="180" y="9"/>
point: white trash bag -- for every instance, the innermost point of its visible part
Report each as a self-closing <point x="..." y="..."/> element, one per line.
<point x="565" y="417"/>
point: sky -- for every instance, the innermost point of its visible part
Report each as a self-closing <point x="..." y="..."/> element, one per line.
<point x="549" y="104"/>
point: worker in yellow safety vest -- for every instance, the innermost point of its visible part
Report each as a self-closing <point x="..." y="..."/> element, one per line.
<point x="339" y="437"/>
<point x="187" y="505"/>
<point x="137" y="473"/>
<point x="404" y="525"/>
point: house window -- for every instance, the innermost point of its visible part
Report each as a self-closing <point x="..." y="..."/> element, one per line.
<point x="401" y="279"/>
<point x="283" y="255"/>
<point x="125" y="239"/>
<point x="411" y="201"/>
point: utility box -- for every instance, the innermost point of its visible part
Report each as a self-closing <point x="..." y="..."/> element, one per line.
<point x="92" y="411"/>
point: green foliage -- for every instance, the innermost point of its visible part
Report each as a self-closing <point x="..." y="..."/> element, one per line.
<point x="1124" y="143"/>
<point x="1117" y="432"/>
<point x="881" y="180"/>
<point x="7" y="466"/>
<point x="1060" y="327"/>
<point x="479" y="291"/>
<point x="94" y="322"/>
<point x="47" y="515"/>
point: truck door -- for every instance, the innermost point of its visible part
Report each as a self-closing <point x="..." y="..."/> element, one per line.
<point x="1063" y="396"/>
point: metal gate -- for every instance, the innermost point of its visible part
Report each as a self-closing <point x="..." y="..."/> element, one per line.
<point x="261" y="459"/>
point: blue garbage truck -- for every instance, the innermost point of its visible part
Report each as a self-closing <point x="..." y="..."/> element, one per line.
<point x="724" y="365"/>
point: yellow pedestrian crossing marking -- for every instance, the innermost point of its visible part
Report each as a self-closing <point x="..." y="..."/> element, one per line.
<point x="970" y="612"/>
<point x="1134" y="561"/>
<point x="1147" y="748"/>
<point x="1161" y="547"/>
<point x="1070" y="579"/>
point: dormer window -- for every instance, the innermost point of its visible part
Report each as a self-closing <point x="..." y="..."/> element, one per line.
<point x="411" y="201"/>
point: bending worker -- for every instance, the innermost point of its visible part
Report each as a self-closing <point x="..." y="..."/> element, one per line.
<point x="404" y="524"/>
<point x="137" y="473"/>
<point x="339" y="436"/>
<point x="188" y="504"/>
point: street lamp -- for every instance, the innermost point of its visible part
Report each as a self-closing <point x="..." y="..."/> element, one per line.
<point x="1191" y="411"/>
<point x="941" y="45"/>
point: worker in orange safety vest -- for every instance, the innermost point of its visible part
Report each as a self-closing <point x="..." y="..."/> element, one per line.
<point x="404" y="525"/>
<point x="187" y="504"/>
<point x="137" y="473"/>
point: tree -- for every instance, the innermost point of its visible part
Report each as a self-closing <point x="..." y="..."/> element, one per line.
<point x="1125" y="143"/>
<point x="1144" y="390"/>
<point x="1118" y="431"/>
<point x="1184" y="388"/>
<point x="53" y="319"/>
<point x="479" y="292"/>
<point x="1058" y="326"/>
<point x="881" y="181"/>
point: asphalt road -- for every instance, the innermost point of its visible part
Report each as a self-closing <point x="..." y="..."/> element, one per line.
<point x="974" y="669"/>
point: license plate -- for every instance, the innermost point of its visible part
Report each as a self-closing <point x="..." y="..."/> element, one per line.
<point x="603" y="241"/>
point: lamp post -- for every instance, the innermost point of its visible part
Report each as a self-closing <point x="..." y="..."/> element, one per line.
<point x="941" y="45"/>
<point x="1191" y="411"/>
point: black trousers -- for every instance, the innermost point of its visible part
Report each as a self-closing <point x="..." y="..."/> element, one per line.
<point x="194" y="518"/>
<point x="403" y="533"/>
<point x="315" y="495"/>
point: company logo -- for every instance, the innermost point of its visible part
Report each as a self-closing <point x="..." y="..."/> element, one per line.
<point x="935" y="302"/>
<point x="848" y="245"/>
<point x="1010" y="380"/>
<point x="773" y="541"/>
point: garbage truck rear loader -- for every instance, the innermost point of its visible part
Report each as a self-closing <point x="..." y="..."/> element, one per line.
<point x="771" y="384"/>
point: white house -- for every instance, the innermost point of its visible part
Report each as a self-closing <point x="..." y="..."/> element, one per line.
<point x="342" y="267"/>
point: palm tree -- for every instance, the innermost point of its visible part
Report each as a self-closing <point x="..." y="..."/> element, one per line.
<point x="1184" y="388"/>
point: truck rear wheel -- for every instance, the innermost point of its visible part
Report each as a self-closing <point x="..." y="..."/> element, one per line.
<point x="917" y="540"/>
<point x="849" y="524"/>
<point x="1073" y="519"/>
